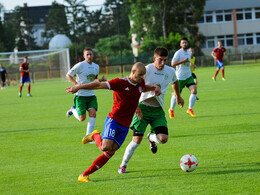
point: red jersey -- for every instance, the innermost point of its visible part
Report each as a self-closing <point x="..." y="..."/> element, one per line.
<point x="25" y="66"/>
<point x="126" y="97"/>
<point x="219" y="53"/>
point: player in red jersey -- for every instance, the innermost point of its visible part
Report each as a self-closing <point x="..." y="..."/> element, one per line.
<point x="25" y="76"/>
<point x="219" y="51"/>
<point x="127" y="92"/>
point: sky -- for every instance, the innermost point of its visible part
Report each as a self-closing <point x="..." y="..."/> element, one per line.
<point x="10" y="4"/>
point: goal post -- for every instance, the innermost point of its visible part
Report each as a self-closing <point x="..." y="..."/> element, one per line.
<point x="44" y="64"/>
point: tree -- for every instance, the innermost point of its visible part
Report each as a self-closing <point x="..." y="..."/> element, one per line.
<point x="57" y="21"/>
<point x="154" y="18"/>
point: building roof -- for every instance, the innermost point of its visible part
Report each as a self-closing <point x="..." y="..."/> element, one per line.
<point x="215" y="5"/>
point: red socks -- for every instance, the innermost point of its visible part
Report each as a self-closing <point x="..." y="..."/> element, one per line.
<point x="21" y="87"/>
<point x="98" y="140"/>
<point x="98" y="163"/>
<point x="222" y="73"/>
<point x="216" y="73"/>
<point x="29" y="89"/>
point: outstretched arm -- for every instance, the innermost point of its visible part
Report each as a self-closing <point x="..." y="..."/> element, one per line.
<point x="176" y="89"/>
<point x="154" y="88"/>
<point x="179" y="62"/>
<point x="94" y="85"/>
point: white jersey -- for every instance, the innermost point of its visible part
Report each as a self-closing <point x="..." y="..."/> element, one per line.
<point x="85" y="73"/>
<point x="161" y="78"/>
<point x="183" y="70"/>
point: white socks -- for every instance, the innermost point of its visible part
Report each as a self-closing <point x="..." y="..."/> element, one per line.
<point x="153" y="138"/>
<point x="192" y="100"/>
<point x="91" y="125"/>
<point x="129" y="151"/>
<point x="173" y="102"/>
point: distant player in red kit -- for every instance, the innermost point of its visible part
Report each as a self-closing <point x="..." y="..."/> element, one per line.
<point x="127" y="92"/>
<point x="219" y="51"/>
<point x="25" y="76"/>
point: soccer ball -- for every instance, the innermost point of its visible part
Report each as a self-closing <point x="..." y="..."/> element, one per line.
<point x="188" y="163"/>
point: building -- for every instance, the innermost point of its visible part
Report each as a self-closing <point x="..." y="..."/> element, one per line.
<point x="234" y="22"/>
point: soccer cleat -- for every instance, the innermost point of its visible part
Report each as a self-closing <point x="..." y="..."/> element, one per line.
<point x="29" y="95"/>
<point x="171" y="113"/>
<point x="69" y="112"/>
<point x="20" y="94"/>
<point x="213" y="78"/>
<point x="197" y="98"/>
<point x="223" y="79"/>
<point x="89" y="137"/>
<point x="121" y="170"/>
<point x="153" y="146"/>
<point x="84" y="178"/>
<point x="190" y="112"/>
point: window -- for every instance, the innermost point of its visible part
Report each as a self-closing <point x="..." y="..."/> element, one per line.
<point x="248" y="14"/>
<point x="209" y="17"/>
<point x="249" y="39"/>
<point x="219" y="16"/>
<point x="257" y="38"/>
<point x="257" y="13"/>
<point x="210" y="43"/>
<point x="229" y="40"/>
<point x="228" y="15"/>
<point x="240" y="14"/>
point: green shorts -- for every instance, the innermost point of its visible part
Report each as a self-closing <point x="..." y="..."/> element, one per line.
<point x="83" y="103"/>
<point x="153" y="116"/>
<point x="188" y="82"/>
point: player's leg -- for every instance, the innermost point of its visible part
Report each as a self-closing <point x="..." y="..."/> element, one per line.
<point x="138" y="126"/>
<point x="222" y="70"/>
<point x="92" y="107"/>
<point x="29" y="88"/>
<point x="192" y="99"/>
<point x="79" y="111"/>
<point x="21" y="86"/>
<point x="130" y="149"/>
<point x="173" y="100"/>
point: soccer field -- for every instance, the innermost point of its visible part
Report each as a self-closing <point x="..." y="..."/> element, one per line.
<point x="41" y="150"/>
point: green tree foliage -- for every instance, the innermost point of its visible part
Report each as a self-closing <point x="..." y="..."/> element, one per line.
<point x="7" y="35"/>
<point x="23" y="27"/>
<point x="57" y="21"/>
<point x="113" y="45"/>
<point x="154" y="18"/>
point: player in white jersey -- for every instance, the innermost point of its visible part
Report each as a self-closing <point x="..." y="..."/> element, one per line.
<point x="150" y="107"/>
<point x="84" y="100"/>
<point x="181" y="60"/>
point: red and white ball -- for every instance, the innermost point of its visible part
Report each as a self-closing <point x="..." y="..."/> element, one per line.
<point x="188" y="163"/>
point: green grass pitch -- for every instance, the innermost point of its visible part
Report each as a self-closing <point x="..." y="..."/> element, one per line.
<point x="41" y="150"/>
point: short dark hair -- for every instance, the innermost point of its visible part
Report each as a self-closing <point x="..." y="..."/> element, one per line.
<point x="26" y="57"/>
<point x="184" y="39"/>
<point x="87" y="49"/>
<point x="161" y="51"/>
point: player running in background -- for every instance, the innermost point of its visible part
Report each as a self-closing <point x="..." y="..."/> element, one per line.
<point x="150" y="108"/>
<point x="192" y="67"/>
<point x="84" y="100"/>
<point x="4" y="76"/>
<point x="25" y="76"/>
<point x="127" y="92"/>
<point x="181" y="60"/>
<point x="218" y="54"/>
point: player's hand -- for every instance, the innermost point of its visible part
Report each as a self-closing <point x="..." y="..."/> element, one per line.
<point x="180" y="101"/>
<point x="186" y="60"/>
<point x="157" y="91"/>
<point x="73" y="89"/>
<point x="138" y="113"/>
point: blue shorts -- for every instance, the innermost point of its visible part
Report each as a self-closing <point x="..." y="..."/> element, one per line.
<point x="114" y="131"/>
<point x="25" y="79"/>
<point x="220" y="64"/>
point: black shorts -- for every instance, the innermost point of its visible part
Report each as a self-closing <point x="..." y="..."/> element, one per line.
<point x="194" y="76"/>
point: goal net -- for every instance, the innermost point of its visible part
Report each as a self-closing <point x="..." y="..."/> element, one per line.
<point x="44" y="64"/>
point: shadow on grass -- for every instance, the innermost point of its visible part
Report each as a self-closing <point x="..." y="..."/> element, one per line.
<point x="227" y="115"/>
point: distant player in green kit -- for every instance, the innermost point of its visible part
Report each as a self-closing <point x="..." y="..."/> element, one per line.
<point x="85" y="100"/>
